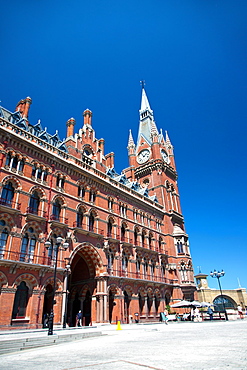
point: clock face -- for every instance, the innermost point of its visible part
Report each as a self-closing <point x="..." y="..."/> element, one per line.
<point x="143" y="156"/>
<point x="164" y="156"/>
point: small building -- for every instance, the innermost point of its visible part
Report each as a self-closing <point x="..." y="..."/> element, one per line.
<point x="232" y="297"/>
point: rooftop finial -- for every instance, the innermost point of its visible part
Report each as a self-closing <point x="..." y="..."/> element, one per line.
<point x="142" y="82"/>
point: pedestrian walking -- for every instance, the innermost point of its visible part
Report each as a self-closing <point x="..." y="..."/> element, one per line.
<point x="240" y="312"/>
<point x="166" y="316"/>
<point x="197" y="316"/>
<point x="210" y="312"/>
<point x="78" y="318"/>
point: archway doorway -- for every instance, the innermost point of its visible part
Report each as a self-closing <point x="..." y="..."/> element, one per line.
<point x="82" y="284"/>
<point x="111" y="305"/>
<point x="47" y="305"/>
<point x="86" y="313"/>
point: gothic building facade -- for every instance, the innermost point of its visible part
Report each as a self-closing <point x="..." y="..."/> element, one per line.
<point x="128" y="253"/>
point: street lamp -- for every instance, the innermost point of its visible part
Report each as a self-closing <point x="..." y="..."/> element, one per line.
<point x="65" y="245"/>
<point x="218" y="275"/>
<point x="66" y="295"/>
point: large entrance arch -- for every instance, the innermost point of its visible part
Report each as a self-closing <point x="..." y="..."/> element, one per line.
<point x="86" y="265"/>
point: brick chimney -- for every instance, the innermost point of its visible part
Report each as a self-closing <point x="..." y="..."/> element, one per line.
<point x="23" y="107"/>
<point x="87" y="114"/>
<point x="70" y="127"/>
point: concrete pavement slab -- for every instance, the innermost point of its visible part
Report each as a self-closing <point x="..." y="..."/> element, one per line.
<point x="195" y="346"/>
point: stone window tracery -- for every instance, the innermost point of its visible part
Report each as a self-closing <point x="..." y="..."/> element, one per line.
<point x="28" y="245"/>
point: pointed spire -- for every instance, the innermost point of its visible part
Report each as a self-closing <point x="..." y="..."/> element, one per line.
<point x="145" y="106"/>
<point x="147" y="125"/>
<point x="168" y="141"/>
<point x="131" y="143"/>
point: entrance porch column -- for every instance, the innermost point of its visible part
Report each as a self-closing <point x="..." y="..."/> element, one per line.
<point x="101" y="299"/>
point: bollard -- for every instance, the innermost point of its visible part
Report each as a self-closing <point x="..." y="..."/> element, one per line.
<point x="119" y="325"/>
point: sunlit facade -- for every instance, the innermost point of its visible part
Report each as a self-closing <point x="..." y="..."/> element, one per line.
<point x="128" y="254"/>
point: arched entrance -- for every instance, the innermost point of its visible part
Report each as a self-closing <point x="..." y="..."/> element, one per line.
<point x="85" y="265"/>
<point x="47" y="305"/>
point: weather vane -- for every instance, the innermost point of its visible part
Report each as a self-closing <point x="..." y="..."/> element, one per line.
<point x="142" y="82"/>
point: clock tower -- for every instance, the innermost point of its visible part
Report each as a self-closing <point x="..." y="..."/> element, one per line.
<point x="151" y="163"/>
<point x="152" y="160"/>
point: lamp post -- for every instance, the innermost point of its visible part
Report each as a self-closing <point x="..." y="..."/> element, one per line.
<point x="59" y="244"/>
<point x="66" y="295"/>
<point x="218" y="275"/>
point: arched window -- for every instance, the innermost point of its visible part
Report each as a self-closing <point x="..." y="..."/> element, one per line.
<point x="81" y="191"/>
<point x="79" y="217"/>
<point x="150" y="240"/>
<point x="3" y="238"/>
<point x="152" y="268"/>
<point x="220" y="302"/>
<point x="180" y="248"/>
<point x="109" y="227"/>
<point x="183" y="272"/>
<point x="51" y="248"/>
<point x="110" y="258"/>
<point x="138" y="265"/>
<point x="135" y="237"/>
<point x="163" y="268"/>
<point x="20" y="302"/>
<point x="123" y="232"/>
<point x="7" y="194"/>
<point x="145" y="266"/>
<point x="124" y="262"/>
<point x="91" y="221"/>
<point x="28" y="246"/>
<point x="160" y="243"/>
<point x="56" y="210"/>
<point x="34" y="203"/>
<point x="143" y="239"/>
<point x="92" y="196"/>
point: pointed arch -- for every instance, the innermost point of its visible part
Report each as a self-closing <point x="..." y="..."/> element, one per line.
<point x="15" y="182"/>
<point x="39" y="190"/>
<point x="3" y="279"/>
<point x="29" y="279"/>
<point x="91" y="255"/>
<point x="8" y="219"/>
<point x="50" y="281"/>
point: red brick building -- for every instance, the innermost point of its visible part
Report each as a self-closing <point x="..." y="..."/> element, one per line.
<point x="128" y="250"/>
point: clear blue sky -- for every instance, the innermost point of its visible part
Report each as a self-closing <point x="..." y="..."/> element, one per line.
<point x="73" y="55"/>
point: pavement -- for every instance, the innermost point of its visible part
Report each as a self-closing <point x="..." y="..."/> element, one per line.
<point x="183" y="345"/>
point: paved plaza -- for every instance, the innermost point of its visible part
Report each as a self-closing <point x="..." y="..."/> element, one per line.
<point x="207" y="345"/>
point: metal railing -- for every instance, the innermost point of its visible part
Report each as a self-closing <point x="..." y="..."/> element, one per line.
<point x="91" y="228"/>
<point x="62" y="220"/>
<point x="30" y="258"/>
<point x="10" y="203"/>
<point x="139" y="275"/>
<point x="36" y="212"/>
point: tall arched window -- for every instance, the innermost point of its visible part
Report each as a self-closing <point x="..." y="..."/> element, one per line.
<point x="56" y="210"/>
<point x="123" y="233"/>
<point x="81" y="191"/>
<point x="28" y="246"/>
<point x="79" y="217"/>
<point x="34" y="203"/>
<point x="124" y="262"/>
<point x="180" y="248"/>
<point x="3" y="238"/>
<point x="91" y="221"/>
<point x="8" y="194"/>
<point x="135" y="237"/>
<point x="143" y="239"/>
<point x="109" y="227"/>
<point x="183" y="272"/>
<point x="20" y="302"/>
